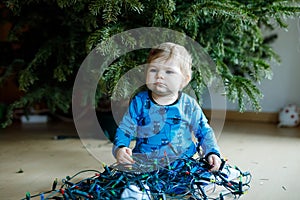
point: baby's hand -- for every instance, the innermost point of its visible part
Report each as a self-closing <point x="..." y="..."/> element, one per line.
<point x="214" y="161"/>
<point x="123" y="155"/>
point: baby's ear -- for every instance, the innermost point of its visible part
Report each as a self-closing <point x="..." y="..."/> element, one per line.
<point x="186" y="81"/>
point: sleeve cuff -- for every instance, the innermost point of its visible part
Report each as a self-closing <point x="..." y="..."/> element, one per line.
<point x="211" y="153"/>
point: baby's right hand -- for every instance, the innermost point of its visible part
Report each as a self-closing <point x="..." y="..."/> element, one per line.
<point x="123" y="155"/>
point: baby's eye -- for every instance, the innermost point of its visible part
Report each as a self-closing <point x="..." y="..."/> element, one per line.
<point x="152" y="70"/>
<point x="169" y="72"/>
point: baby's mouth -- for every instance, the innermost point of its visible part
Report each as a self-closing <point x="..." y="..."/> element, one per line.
<point x="159" y="84"/>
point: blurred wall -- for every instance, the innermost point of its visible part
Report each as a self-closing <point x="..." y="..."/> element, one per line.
<point x="284" y="88"/>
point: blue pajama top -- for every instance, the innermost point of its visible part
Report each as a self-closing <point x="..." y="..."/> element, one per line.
<point x="165" y="130"/>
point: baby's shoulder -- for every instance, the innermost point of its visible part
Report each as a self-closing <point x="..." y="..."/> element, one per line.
<point x="187" y="98"/>
<point x="141" y="95"/>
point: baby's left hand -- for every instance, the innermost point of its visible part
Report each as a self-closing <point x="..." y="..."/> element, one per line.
<point x="214" y="161"/>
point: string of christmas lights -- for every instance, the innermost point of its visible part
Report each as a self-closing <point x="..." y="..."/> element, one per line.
<point x="185" y="178"/>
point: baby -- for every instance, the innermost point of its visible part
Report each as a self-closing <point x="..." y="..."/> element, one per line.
<point x="163" y="119"/>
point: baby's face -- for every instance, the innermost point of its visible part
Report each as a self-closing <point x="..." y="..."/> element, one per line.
<point x="164" y="78"/>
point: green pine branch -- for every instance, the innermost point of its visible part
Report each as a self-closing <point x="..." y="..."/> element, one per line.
<point x="56" y="35"/>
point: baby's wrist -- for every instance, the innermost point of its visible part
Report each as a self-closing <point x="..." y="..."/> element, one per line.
<point x="118" y="149"/>
<point x="212" y="153"/>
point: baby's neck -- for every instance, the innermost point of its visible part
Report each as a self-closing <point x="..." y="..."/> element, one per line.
<point x="164" y="99"/>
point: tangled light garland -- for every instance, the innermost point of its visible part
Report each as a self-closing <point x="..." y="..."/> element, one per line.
<point x="185" y="178"/>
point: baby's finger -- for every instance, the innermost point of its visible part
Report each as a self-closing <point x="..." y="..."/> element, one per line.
<point x="210" y="160"/>
<point x="125" y="159"/>
<point x="214" y="168"/>
<point x="128" y="151"/>
<point x="129" y="159"/>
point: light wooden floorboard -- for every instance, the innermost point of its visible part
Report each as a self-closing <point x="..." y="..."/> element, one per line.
<point x="271" y="154"/>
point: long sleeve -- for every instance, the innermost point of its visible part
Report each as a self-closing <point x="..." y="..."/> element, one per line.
<point x="204" y="133"/>
<point x="126" y="130"/>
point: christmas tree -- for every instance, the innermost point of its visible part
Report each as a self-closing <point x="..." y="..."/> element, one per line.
<point x="54" y="37"/>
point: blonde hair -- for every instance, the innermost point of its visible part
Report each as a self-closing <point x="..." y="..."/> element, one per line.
<point x="167" y="51"/>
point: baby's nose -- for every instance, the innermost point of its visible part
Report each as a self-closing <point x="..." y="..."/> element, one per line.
<point x="160" y="74"/>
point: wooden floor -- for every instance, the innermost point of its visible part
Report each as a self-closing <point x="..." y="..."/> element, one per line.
<point x="31" y="159"/>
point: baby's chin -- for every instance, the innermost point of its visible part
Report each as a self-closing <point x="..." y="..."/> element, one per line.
<point x="161" y="91"/>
